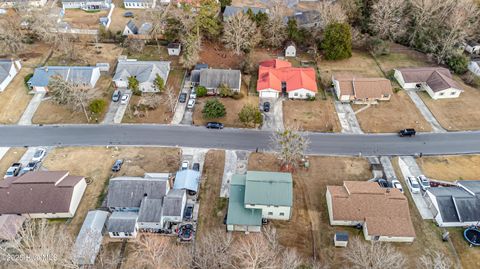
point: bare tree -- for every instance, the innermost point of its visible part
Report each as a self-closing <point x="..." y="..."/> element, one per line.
<point x="213" y="250"/>
<point x="253" y="251"/>
<point x="150" y="100"/>
<point x="290" y="146"/>
<point x="151" y="251"/>
<point x="157" y="17"/>
<point x="135" y="45"/>
<point x="170" y="98"/>
<point x="11" y="34"/>
<point x="373" y="255"/>
<point x="434" y="260"/>
<point x="330" y="12"/>
<point x="108" y="258"/>
<point x="180" y="261"/>
<point x="39" y="245"/>
<point x="422" y="12"/>
<point x="66" y="93"/>
<point x="389" y="19"/>
<point x="274" y="30"/>
<point x="240" y="33"/>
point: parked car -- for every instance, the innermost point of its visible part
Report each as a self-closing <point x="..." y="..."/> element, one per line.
<point x="407" y="132"/>
<point x="182" y="98"/>
<point x="116" y="96"/>
<point x="196" y="166"/>
<point x="31" y="166"/>
<point x="117" y="165"/>
<point x="214" y="125"/>
<point x="13" y="170"/>
<point x="188" y="212"/>
<point x="396" y="184"/>
<point x="266" y="106"/>
<point x="191" y="103"/>
<point x="424" y="182"/>
<point x="124" y="100"/>
<point x="39" y="155"/>
<point x="185" y="165"/>
<point x="383" y="183"/>
<point x="128" y="14"/>
<point x="193" y="94"/>
<point x="413" y="184"/>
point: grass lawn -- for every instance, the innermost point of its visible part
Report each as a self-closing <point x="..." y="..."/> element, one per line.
<point x="469" y="256"/>
<point x="13" y="155"/>
<point x="451" y="168"/>
<point x="95" y="164"/>
<point x="318" y="115"/>
<point x="162" y="114"/>
<point x="78" y="18"/>
<point x="391" y="116"/>
<point x="212" y="206"/>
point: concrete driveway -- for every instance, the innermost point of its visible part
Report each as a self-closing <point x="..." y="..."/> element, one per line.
<point x="409" y="167"/>
<point x="32" y="107"/>
<point x="426" y="113"/>
<point x="272" y="120"/>
<point x="236" y="162"/>
<point x="347" y="118"/>
<point x="111" y="112"/>
<point x="181" y="107"/>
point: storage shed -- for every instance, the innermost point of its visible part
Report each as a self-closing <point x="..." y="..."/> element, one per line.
<point x="341" y="239"/>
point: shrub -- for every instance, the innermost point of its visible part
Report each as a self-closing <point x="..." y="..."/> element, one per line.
<point x="97" y="106"/>
<point x="337" y="42"/>
<point x="201" y="91"/>
<point x="310" y="98"/>
<point x="250" y="114"/>
<point x="396" y="89"/>
<point x="27" y="78"/>
<point x="458" y="63"/>
<point x="391" y="75"/>
<point x="378" y="47"/>
<point x="225" y="91"/>
<point x="237" y="95"/>
<point x="134" y="86"/>
<point x="213" y="109"/>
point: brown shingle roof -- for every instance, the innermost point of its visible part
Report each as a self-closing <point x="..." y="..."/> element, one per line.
<point x="363" y="88"/>
<point x="36" y="192"/>
<point x="385" y="212"/>
<point x="437" y="78"/>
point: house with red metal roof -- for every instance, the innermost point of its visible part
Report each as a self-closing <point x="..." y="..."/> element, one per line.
<point x="278" y="78"/>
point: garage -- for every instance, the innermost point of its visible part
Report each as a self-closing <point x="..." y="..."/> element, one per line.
<point x="268" y="94"/>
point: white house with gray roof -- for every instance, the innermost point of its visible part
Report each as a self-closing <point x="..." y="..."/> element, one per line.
<point x="86" y="4"/>
<point x="212" y="79"/>
<point x="123" y="225"/>
<point x="144" y="71"/>
<point x="78" y="75"/>
<point x="231" y="11"/>
<point x="139" y="4"/>
<point x="8" y="70"/>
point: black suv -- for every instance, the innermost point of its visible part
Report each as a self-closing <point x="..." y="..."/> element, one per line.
<point x="117" y="165"/>
<point x="196" y="167"/>
<point x="214" y="125"/>
<point x="407" y="132"/>
<point x="182" y="98"/>
<point x="266" y="106"/>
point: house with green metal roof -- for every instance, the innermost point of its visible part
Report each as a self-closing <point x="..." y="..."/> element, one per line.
<point x="259" y="195"/>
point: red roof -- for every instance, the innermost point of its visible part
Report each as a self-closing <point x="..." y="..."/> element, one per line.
<point x="272" y="73"/>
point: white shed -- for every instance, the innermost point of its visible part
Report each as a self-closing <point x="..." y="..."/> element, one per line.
<point x="290" y="50"/>
<point x="174" y="49"/>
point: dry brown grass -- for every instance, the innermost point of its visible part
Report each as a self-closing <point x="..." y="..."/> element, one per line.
<point x="451" y="168"/>
<point x="469" y="256"/>
<point x="95" y="164"/>
<point x="391" y="116"/>
<point x="87" y="54"/>
<point x="318" y="115"/>
<point x="13" y="155"/>
<point x="78" y="18"/>
<point x="217" y="56"/>
<point x="212" y="207"/>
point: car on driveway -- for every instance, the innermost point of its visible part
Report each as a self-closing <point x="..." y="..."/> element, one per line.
<point x="31" y="166"/>
<point x="193" y="94"/>
<point x="191" y="103"/>
<point x="413" y="184"/>
<point x="116" y="96"/>
<point x="13" y="170"/>
<point x="424" y="182"/>
<point x="124" y="100"/>
<point x="188" y="212"/>
<point x="182" y="98"/>
<point x="196" y="166"/>
<point x="407" y="132"/>
<point x="266" y="106"/>
<point x="185" y="165"/>
<point x="128" y="14"/>
<point x="214" y="125"/>
<point x="117" y="165"/>
<point x="396" y="184"/>
<point x="39" y="155"/>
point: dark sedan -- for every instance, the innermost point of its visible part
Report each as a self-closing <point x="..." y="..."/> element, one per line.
<point x="214" y="125"/>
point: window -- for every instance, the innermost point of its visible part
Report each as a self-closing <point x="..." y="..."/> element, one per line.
<point x="115" y="234"/>
<point x="452" y="93"/>
<point x="282" y="214"/>
<point x="442" y="93"/>
<point x="270" y="213"/>
<point x="295" y="94"/>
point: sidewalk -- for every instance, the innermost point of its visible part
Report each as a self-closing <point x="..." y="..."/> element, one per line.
<point x="436" y="127"/>
<point x="32" y="107"/>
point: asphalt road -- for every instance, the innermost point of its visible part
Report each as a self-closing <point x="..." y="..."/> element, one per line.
<point x="242" y="139"/>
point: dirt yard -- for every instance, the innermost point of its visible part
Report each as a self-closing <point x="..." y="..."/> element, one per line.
<point x="78" y="18"/>
<point x="391" y="116"/>
<point x="212" y="207"/>
<point x="15" y="98"/>
<point x="51" y="113"/>
<point x="95" y="164"/>
<point x="318" y="115"/>
<point x="401" y="56"/>
<point x="217" y="56"/>
<point x="13" y="155"/>
<point x="119" y="21"/>
<point x="162" y="113"/>
<point x="232" y="106"/>
<point x="154" y="53"/>
<point x="451" y="168"/>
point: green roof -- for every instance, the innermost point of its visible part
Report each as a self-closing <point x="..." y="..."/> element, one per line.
<point x="268" y="188"/>
<point x="237" y="213"/>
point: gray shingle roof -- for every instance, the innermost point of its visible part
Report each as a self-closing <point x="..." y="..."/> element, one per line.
<point x="133" y="28"/>
<point x="233" y="10"/>
<point x="122" y="222"/>
<point x="89" y="239"/>
<point x="471" y="185"/>
<point x="144" y="71"/>
<point x="269" y="188"/>
<point x="129" y="191"/>
<point x="5" y="66"/>
<point x="213" y="78"/>
<point x="73" y="74"/>
<point x="150" y="210"/>
<point x="145" y="28"/>
<point x="173" y="203"/>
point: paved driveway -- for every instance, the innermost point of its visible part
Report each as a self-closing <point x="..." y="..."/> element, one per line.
<point x="426" y="113"/>
<point x="409" y="167"/>
<point x="236" y="162"/>
<point x="347" y="118"/>
<point x="272" y="120"/>
<point x="181" y="107"/>
<point x="111" y="112"/>
<point x="32" y="107"/>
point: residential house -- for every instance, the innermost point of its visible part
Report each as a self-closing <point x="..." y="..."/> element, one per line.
<point x="258" y="195"/>
<point x="89" y="239"/>
<point x="86" y="4"/>
<point x="8" y="70"/>
<point x="144" y="71"/>
<point x="42" y="194"/>
<point x="361" y="90"/>
<point x="78" y="75"/>
<point x="123" y="225"/>
<point x="472" y="47"/>
<point x="306" y="19"/>
<point x="10" y="225"/>
<point x="474" y="67"/>
<point x="382" y="212"/>
<point x="187" y="180"/>
<point x="290" y="50"/>
<point x="195" y="74"/>
<point x="130" y="29"/>
<point x="15" y="3"/>
<point x="457" y="206"/>
<point x="278" y="78"/>
<point x="231" y="11"/>
<point x="173" y="206"/>
<point x="212" y="79"/>
<point x="139" y="4"/>
<point x="436" y="81"/>
<point x="174" y="49"/>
